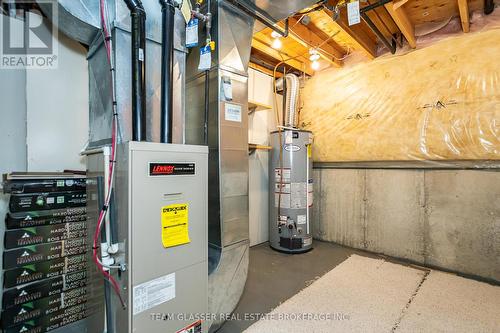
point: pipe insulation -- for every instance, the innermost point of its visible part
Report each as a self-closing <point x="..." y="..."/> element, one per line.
<point x="292" y="84"/>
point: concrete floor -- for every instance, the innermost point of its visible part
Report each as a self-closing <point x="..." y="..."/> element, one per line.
<point x="274" y="277"/>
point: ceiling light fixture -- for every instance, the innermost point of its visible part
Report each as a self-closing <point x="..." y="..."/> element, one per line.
<point x="313" y="54"/>
<point x="315" y="65"/>
<point x="314" y="57"/>
<point x="277" y="44"/>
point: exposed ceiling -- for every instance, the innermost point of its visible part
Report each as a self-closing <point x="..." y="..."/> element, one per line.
<point x="314" y="28"/>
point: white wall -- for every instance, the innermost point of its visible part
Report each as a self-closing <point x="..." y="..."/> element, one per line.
<point x="260" y="123"/>
<point x="43" y="119"/>
<point x="13" y="118"/>
<point x="12" y="131"/>
<point x="57" y="111"/>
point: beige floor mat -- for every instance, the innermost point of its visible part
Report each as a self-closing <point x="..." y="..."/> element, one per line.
<point x="448" y="303"/>
<point x="373" y="295"/>
<point x="370" y="292"/>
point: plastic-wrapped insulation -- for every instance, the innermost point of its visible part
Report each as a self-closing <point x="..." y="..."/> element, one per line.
<point x="292" y="98"/>
<point x="438" y="103"/>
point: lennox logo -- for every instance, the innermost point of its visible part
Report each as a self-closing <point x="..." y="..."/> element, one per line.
<point x="163" y="169"/>
<point x="28" y="38"/>
<point x="168" y="169"/>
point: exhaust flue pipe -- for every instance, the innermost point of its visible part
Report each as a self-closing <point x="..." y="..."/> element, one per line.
<point x="489" y="6"/>
<point x="290" y="85"/>
<point x="167" y="65"/>
<point x="138" y="29"/>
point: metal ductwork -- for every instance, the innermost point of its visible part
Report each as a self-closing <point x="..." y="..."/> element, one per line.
<point x="79" y="19"/>
<point x="228" y="143"/>
<point x="279" y="9"/>
<point x="226" y="115"/>
<point x="228" y="151"/>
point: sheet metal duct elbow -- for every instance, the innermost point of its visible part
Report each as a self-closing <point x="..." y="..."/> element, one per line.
<point x="78" y="19"/>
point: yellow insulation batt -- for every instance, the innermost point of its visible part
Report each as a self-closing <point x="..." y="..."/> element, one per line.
<point x="441" y="102"/>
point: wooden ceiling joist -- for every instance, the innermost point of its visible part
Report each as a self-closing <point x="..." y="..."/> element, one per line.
<point x="399" y="3"/>
<point x="463" y="7"/>
<point x="297" y="62"/>
<point x="263" y="69"/>
<point x="334" y="39"/>
<point x="403" y="22"/>
<point x="381" y="18"/>
<point x="355" y="34"/>
<point x="325" y="37"/>
<point x="305" y="37"/>
<point x="265" y="63"/>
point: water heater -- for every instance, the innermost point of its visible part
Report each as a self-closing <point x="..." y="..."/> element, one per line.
<point x="291" y="191"/>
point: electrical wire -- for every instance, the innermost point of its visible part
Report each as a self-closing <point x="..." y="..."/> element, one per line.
<point x="105" y="30"/>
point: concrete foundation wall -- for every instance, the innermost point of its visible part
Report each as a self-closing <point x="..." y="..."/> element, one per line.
<point x="444" y="218"/>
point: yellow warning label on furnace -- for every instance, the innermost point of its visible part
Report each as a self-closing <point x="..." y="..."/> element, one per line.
<point x="174" y="225"/>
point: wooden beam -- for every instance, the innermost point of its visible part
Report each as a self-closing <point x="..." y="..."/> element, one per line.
<point x="355" y="34"/>
<point x="325" y="36"/>
<point x="399" y="3"/>
<point x="463" y="7"/>
<point x="403" y="21"/>
<point x="279" y="56"/>
<point x="263" y="69"/>
<point x="305" y="37"/>
<point x="379" y="23"/>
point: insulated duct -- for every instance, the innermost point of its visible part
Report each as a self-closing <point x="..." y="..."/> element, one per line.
<point x="292" y="84"/>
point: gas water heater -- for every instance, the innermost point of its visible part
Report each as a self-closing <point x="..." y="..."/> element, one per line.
<point x="290" y="179"/>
